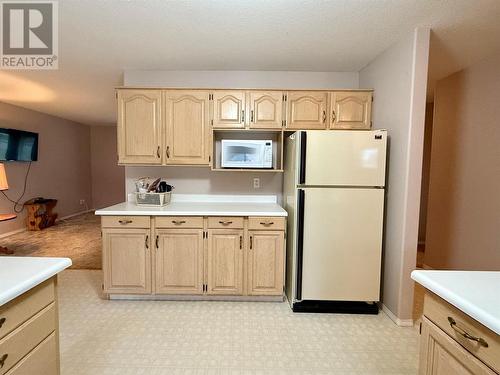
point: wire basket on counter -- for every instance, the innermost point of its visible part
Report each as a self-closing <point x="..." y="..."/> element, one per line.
<point x="153" y="199"/>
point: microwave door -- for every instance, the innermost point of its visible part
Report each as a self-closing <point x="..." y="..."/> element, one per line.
<point x="241" y="155"/>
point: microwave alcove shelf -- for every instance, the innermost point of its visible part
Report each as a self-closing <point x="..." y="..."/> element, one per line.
<point x="172" y="126"/>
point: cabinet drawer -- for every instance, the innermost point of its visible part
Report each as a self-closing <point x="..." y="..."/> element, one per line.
<point x="221" y="222"/>
<point x="19" y="310"/>
<point x="439" y="311"/>
<point x="125" y="221"/>
<point x="179" y="222"/>
<point x="22" y="340"/>
<point x="263" y="223"/>
<point x="41" y="360"/>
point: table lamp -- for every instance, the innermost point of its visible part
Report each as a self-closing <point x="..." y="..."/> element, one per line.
<point x="4" y="217"/>
<point x="4" y="185"/>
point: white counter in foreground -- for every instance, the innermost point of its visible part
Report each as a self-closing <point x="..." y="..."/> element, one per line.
<point x="203" y="205"/>
<point x="20" y="274"/>
<point x="476" y="293"/>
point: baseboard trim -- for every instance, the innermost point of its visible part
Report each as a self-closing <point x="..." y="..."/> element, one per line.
<point x="75" y="214"/>
<point x="11" y="233"/>
<point x="183" y="297"/>
<point x="395" y="319"/>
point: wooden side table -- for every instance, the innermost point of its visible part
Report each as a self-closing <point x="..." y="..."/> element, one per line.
<point x="39" y="213"/>
<point x="6" y="217"/>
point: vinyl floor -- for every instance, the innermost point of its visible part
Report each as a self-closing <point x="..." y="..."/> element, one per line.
<point x="105" y="337"/>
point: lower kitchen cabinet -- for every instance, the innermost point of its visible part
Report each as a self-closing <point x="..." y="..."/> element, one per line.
<point x="441" y="355"/>
<point x="266" y="263"/>
<point x="193" y="255"/>
<point x="126" y="260"/>
<point x="225" y="261"/>
<point x="178" y="261"/>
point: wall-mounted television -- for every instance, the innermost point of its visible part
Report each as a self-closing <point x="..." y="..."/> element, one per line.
<point x="18" y="145"/>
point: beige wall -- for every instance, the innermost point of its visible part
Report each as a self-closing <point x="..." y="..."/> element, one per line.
<point x="63" y="167"/>
<point x="426" y="169"/>
<point x="463" y="221"/>
<point x="108" y="185"/>
<point x="399" y="77"/>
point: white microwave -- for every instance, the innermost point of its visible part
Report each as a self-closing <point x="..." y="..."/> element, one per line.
<point x="246" y="153"/>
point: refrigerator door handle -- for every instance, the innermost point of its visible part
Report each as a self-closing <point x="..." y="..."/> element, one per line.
<point x="300" y="241"/>
<point x="302" y="161"/>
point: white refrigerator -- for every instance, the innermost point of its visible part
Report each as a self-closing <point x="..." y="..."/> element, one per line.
<point x="334" y="186"/>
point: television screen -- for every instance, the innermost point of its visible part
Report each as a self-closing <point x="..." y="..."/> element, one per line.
<point x="18" y="145"/>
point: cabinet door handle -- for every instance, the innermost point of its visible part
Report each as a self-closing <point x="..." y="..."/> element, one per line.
<point x="324" y="116"/>
<point x="2" y="321"/>
<point x="241" y="242"/>
<point x="243" y="115"/>
<point x="3" y="359"/>
<point x="267" y="223"/>
<point x="251" y="115"/>
<point x="156" y="241"/>
<point x="251" y="242"/>
<point x="158" y="152"/>
<point x="225" y="222"/>
<point x="168" y="152"/>
<point x="333" y="116"/>
<point x="125" y="222"/>
<point x="147" y="241"/>
<point x="462" y="332"/>
<point x="178" y="222"/>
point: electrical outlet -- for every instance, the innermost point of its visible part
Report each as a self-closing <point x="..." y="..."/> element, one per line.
<point x="256" y="183"/>
<point x="82" y="202"/>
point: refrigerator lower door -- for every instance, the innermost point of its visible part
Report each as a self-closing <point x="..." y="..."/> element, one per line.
<point x="343" y="158"/>
<point x="341" y="244"/>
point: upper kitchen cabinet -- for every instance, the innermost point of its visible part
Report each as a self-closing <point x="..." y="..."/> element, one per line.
<point x="187" y="129"/>
<point x="139" y="127"/>
<point x="307" y="110"/>
<point x="228" y="109"/>
<point x="351" y="109"/>
<point x="266" y="109"/>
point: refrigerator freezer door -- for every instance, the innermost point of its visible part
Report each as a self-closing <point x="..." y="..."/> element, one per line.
<point x="342" y="244"/>
<point x="344" y="158"/>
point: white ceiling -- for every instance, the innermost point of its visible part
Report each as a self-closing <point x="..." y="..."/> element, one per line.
<point x="100" y="39"/>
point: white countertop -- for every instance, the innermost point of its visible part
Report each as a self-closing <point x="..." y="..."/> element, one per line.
<point x="203" y="205"/>
<point x="20" y="274"/>
<point x="476" y="293"/>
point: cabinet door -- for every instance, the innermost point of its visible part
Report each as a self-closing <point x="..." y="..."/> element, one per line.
<point x="126" y="261"/>
<point x="139" y="127"/>
<point x="228" y="109"/>
<point x="265" y="262"/>
<point x="441" y="355"/>
<point x="266" y="109"/>
<point x="225" y="262"/>
<point x="351" y="110"/>
<point x="306" y="110"/>
<point x="187" y="130"/>
<point x="179" y="261"/>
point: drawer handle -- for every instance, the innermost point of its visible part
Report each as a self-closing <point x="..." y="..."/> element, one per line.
<point x="225" y="222"/>
<point x="462" y="332"/>
<point x="147" y="242"/>
<point x="266" y="223"/>
<point x="2" y="321"/>
<point x="125" y="222"/>
<point x="178" y="222"/>
<point x="3" y="359"/>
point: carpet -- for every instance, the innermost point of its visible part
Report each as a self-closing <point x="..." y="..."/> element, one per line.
<point x="77" y="238"/>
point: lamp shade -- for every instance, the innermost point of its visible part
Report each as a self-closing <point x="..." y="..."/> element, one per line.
<point x="3" y="178"/>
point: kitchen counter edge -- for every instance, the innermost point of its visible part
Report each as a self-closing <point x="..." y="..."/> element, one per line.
<point x="479" y="313"/>
<point x="42" y="270"/>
